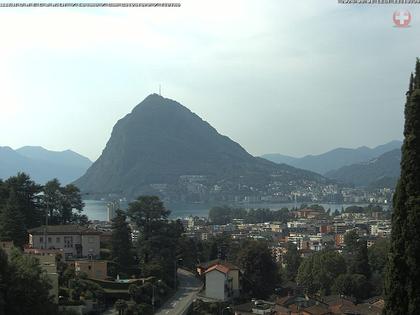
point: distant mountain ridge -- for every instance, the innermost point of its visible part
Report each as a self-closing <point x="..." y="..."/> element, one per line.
<point x="161" y="145"/>
<point x="382" y="171"/>
<point x="334" y="159"/>
<point x="42" y="164"/>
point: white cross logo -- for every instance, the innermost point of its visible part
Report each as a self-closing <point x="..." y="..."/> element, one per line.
<point x="402" y="18"/>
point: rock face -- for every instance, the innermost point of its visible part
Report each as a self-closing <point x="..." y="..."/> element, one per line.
<point x="161" y="146"/>
<point x="382" y="171"/>
<point x="42" y="164"/>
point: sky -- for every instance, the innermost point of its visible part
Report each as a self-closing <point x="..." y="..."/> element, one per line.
<point x="294" y="77"/>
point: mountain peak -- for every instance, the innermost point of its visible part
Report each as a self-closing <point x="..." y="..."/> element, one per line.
<point x="161" y="141"/>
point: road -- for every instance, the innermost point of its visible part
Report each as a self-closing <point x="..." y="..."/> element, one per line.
<point x="188" y="288"/>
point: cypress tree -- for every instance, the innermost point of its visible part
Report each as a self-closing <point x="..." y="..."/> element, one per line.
<point x="121" y="241"/>
<point x="402" y="283"/>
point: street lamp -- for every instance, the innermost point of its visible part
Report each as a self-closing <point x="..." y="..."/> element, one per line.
<point x="226" y="308"/>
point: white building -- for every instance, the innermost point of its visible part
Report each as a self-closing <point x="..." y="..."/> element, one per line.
<point x="112" y="208"/>
<point x="76" y="241"/>
<point x="222" y="282"/>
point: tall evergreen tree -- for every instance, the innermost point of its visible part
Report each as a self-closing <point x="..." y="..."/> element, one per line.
<point x="292" y="261"/>
<point x="12" y="222"/>
<point x="26" y="197"/>
<point x="121" y="240"/>
<point x="402" y="285"/>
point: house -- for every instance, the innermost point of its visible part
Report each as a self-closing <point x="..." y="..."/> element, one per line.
<point x="94" y="269"/>
<point x="221" y="280"/>
<point x="76" y="241"/>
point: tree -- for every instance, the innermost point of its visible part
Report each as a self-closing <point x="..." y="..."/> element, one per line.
<point x="318" y="272"/>
<point x="356" y="254"/>
<point x="220" y="215"/>
<point x="148" y="212"/>
<point x="26" y="286"/>
<point x="4" y="277"/>
<point x="158" y="237"/>
<point x="261" y="274"/>
<point x="61" y="201"/>
<point x="378" y="255"/>
<point x="121" y="240"/>
<point x="292" y="261"/>
<point x="402" y="290"/>
<point x="26" y="198"/>
<point x="12" y="222"/>
<point x="353" y="285"/>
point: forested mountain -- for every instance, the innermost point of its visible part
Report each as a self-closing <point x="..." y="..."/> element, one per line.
<point x="162" y="147"/>
<point x="379" y="172"/>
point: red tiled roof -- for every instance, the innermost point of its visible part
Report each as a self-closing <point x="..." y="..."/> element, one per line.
<point x="219" y="267"/>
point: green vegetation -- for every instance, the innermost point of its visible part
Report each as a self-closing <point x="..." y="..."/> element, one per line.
<point x="356" y="254"/>
<point x="225" y="215"/>
<point x="260" y="272"/>
<point x="24" y="204"/>
<point x="121" y="241"/>
<point x="318" y="272"/>
<point x="402" y="290"/>
<point x="158" y="238"/>
<point x="60" y="202"/>
<point x="354" y="285"/>
<point x="12" y="221"/>
<point x="378" y="254"/>
<point x="24" y="286"/>
<point x="292" y="261"/>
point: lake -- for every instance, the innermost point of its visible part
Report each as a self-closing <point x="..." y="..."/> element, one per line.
<point x="96" y="209"/>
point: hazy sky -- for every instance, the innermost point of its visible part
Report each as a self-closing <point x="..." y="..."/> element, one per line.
<point x="288" y="76"/>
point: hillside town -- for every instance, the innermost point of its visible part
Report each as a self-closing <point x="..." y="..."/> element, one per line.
<point x="64" y="249"/>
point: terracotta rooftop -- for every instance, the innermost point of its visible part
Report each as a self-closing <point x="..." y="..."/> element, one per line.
<point x="218" y="267"/>
<point x="214" y="262"/>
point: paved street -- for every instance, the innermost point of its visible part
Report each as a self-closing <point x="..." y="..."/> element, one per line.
<point x="188" y="288"/>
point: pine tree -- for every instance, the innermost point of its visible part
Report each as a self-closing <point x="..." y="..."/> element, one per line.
<point x="12" y="222"/>
<point x="402" y="285"/>
<point x="121" y="240"/>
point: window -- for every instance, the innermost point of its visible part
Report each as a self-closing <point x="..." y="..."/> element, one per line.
<point x="41" y="239"/>
<point x="57" y="240"/>
<point x="68" y="241"/>
<point x="90" y="239"/>
<point x="49" y="240"/>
